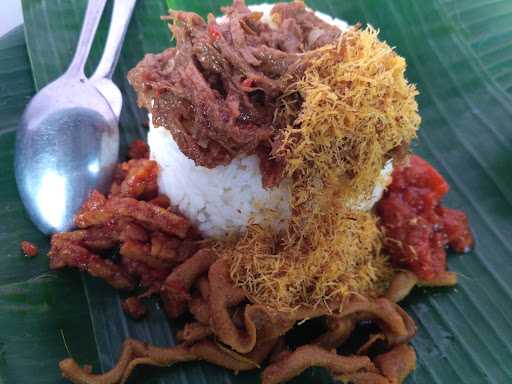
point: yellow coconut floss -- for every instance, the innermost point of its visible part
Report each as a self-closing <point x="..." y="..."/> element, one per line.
<point x="356" y="109"/>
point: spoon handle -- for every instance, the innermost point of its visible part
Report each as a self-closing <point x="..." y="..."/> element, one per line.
<point x="121" y="16"/>
<point x="91" y="20"/>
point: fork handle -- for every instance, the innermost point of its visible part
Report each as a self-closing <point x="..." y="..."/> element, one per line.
<point x="121" y="16"/>
<point x="90" y="25"/>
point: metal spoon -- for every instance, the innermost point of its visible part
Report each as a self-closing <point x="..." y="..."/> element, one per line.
<point x="68" y="140"/>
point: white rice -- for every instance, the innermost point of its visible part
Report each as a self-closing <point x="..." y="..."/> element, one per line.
<point x="226" y="199"/>
<point x="219" y="200"/>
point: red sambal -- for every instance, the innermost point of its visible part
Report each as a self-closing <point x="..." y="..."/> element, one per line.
<point x="418" y="229"/>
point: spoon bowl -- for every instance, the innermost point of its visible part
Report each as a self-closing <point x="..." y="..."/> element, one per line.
<point x="67" y="145"/>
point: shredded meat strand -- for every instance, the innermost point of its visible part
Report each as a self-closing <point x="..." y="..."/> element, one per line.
<point x="217" y="91"/>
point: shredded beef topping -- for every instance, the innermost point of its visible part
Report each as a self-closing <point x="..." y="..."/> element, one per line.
<point x="217" y="91"/>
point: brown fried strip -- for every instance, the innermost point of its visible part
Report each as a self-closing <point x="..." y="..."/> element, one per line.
<point x="162" y="201"/>
<point x="257" y="320"/>
<point x="136" y="353"/>
<point x="97" y="210"/>
<point x="313" y="356"/>
<point x="140" y="180"/>
<point x="338" y="330"/>
<point x="133" y="307"/>
<point x="198" y="307"/>
<point x="398" y="363"/>
<point x="203" y="286"/>
<point x="150" y="216"/>
<point x="363" y="378"/>
<point x="394" y="367"/>
<point x="175" y="291"/>
<point x="67" y="254"/>
<point x="395" y="323"/>
<point x="444" y="279"/>
<point x="402" y="284"/>
<point x="193" y="332"/>
<point x="133" y="353"/>
<point x="165" y="248"/>
<point x="138" y="150"/>
<point x="404" y="281"/>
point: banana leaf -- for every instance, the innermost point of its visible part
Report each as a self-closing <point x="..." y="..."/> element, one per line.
<point x="459" y="54"/>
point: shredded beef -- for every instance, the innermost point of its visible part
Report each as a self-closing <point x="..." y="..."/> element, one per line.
<point x="217" y="91"/>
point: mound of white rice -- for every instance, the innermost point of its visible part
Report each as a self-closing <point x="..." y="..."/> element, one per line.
<point x="219" y="200"/>
<point x="227" y="198"/>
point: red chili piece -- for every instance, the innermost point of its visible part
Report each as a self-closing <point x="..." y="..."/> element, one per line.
<point x="29" y="249"/>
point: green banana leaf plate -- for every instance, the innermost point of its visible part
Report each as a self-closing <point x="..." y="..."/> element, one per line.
<point x="459" y="53"/>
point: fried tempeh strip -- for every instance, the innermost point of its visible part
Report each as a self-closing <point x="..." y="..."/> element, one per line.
<point x="149" y="215"/>
<point x="105" y="237"/>
<point x="165" y="248"/>
<point x="93" y="211"/>
<point x="313" y="356"/>
<point x="97" y="210"/>
<point x="175" y="291"/>
<point x="162" y="201"/>
<point x="67" y="254"/>
<point x="142" y="252"/>
<point x="94" y="238"/>
<point x="140" y="180"/>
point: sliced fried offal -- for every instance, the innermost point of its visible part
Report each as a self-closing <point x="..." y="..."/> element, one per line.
<point x="404" y="281"/>
<point x="136" y="353"/>
<point x="393" y="366"/>
<point x="397" y="363"/>
<point x="193" y="332"/>
<point x="444" y="279"/>
<point x="258" y="321"/>
<point x="363" y="378"/>
<point x="198" y="307"/>
<point x="313" y="356"/>
<point x="68" y="254"/>
<point x="402" y="284"/>
<point x="175" y="292"/>
<point x="396" y="325"/>
<point x="338" y="331"/>
<point x="133" y="353"/>
<point x="394" y="322"/>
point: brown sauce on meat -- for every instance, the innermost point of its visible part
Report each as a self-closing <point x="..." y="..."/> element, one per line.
<point x="217" y="91"/>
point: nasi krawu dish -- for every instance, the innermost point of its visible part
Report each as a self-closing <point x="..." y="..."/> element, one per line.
<point x="277" y="191"/>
